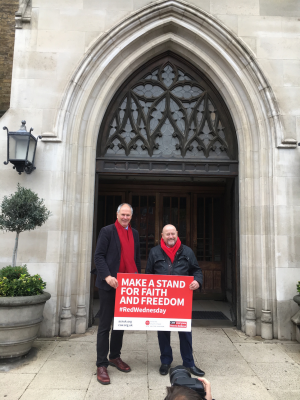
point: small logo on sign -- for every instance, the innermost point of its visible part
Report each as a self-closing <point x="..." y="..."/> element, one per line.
<point x="147" y="322"/>
<point x="178" y="324"/>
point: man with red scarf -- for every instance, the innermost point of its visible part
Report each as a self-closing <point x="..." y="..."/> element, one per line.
<point x="118" y="250"/>
<point x="171" y="257"/>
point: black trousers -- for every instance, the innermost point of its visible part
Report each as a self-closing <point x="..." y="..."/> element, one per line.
<point x="106" y="314"/>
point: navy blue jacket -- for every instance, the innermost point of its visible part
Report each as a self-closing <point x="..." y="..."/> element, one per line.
<point x="108" y="254"/>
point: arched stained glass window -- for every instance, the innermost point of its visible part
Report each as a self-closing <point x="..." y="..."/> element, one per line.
<point x="168" y="109"/>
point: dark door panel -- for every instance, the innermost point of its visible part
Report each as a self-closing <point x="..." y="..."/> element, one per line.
<point x="176" y="211"/>
<point x="208" y="241"/>
<point x="143" y="220"/>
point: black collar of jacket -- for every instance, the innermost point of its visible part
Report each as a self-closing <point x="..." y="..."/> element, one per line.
<point x="117" y="239"/>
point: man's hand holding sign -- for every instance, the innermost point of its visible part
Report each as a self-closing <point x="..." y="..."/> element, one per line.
<point x="194" y="285"/>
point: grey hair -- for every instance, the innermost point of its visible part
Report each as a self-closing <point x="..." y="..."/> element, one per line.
<point x="124" y="204"/>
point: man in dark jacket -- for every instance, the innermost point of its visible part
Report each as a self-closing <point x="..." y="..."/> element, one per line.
<point x="171" y="257"/>
<point x="118" y="250"/>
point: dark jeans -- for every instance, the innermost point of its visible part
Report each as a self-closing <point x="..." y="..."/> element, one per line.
<point x="186" y="349"/>
<point x="106" y="314"/>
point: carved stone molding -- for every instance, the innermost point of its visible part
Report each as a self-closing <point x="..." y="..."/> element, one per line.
<point x="266" y="325"/>
<point x="250" y="323"/>
<point x="168" y="112"/>
<point x="181" y="14"/>
<point x="81" y="317"/>
<point x="23" y="14"/>
<point x="65" y="321"/>
<point x="288" y="143"/>
<point x="168" y="167"/>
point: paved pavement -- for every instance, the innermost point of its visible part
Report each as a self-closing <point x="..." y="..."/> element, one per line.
<point x="238" y="367"/>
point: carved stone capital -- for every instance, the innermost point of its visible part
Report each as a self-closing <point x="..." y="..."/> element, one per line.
<point x="266" y="324"/>
<point x="66" y="313"/>
<point x="65" y="328"/>
<point x="250" y="313"/>
<point x="250" y="323"/>
<point x="80" y="324"/>
<point x="266" y="316"/>
<point x="81" y="311"/>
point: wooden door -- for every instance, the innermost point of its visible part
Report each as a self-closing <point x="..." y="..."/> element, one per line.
<point x="108" y="203"/>
<point x="208" y="241"/>
<point x="144" y="220"/>
<point x="175" y="210"/>
<point x="152" y="211"/>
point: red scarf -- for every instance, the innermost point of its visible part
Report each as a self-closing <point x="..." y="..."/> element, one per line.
<point x="127" y="263"/>
<point x="170" y="251"/>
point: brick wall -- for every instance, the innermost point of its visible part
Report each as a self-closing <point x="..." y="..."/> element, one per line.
<point x="7" y="38"/>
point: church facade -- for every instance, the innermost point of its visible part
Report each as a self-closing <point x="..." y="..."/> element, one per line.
<point x="189" y="110"/>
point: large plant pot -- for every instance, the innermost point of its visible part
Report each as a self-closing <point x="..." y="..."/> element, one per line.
<point x="297" y="299"/>
<point x="20" y="319"/>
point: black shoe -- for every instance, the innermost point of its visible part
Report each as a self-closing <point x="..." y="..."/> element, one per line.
<point x="164" y="369"/>
<point x="196" y="371"/>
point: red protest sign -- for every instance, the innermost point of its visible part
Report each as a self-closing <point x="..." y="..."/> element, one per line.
<point x="153" y="302"/>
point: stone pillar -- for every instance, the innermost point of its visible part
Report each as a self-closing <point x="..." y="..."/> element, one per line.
<point x="81" y="322"/>
<point x="65" y="327"/>
<point x="250" y="323"/>
<point x="266" y="325"/>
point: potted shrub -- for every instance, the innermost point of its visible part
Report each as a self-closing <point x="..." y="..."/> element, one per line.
<point x="22" y="296"/>
<point x="22" y="301"/>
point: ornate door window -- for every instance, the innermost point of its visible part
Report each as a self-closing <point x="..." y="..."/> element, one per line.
<point x="168" y="110"/>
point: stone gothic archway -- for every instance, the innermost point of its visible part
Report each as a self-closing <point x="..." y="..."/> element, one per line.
<point x="168" y="109"/>
<point x="193" y="34"/>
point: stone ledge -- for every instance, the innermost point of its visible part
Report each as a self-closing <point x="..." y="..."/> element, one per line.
<point x="23" y="14"/>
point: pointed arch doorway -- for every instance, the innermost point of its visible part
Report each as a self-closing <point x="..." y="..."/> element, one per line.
<point x="167" y="145"/>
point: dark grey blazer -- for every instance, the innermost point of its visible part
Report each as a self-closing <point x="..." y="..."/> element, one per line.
<point x="108" y="254"/>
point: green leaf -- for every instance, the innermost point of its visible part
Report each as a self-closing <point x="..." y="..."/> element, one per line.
<point x="22" y="211"/>
<point x="13" y="283"/>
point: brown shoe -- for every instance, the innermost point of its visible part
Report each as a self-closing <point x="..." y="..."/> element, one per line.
<point x="102" y="376"/>
<point x="118" y="363"/>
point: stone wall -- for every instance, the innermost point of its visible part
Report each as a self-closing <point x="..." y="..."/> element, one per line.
<point x="49" y="50"/>
<point x="7" y="33"/>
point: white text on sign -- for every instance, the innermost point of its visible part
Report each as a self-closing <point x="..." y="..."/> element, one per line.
<point x="129" y="294"/>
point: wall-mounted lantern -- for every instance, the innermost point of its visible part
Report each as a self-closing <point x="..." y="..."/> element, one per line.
<point x="21" y="147"/>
